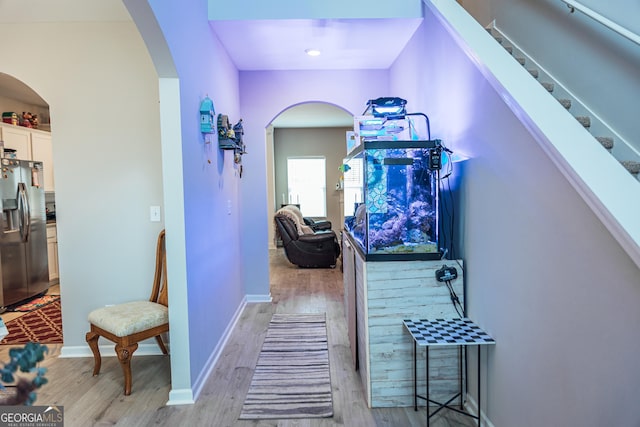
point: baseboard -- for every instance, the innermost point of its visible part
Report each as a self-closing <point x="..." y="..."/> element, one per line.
<point x="181" y="397"/>
<point x="107" y="350"/>
<point x="215" y="355"/>
<point x="472" y="407"/>
<point x="253" y="299"/>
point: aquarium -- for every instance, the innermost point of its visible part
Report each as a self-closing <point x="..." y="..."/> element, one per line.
<point x="391" y="198"/>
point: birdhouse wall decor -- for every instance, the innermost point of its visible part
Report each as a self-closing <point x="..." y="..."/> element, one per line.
<point x="207" y="116"/>
<point x="230" y="137"/>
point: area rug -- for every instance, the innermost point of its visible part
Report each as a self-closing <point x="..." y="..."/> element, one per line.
<point x="43" y="325"/>
<point x="292" y="377"/>
<point x="35" y="303"/>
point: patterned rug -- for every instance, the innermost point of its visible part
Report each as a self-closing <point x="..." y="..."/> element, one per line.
<point x="43" y="325"/>
<point x="35" y="303"/>
<point x="292" y="377"/>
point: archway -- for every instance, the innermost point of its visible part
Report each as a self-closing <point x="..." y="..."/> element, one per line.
<point x="26" y="135"/>
<point x="309" y="129"/>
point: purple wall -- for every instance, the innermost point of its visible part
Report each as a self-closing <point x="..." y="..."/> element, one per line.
<point x="543" y="275"/>
<point x="211" y="187"/>
<point x="263" y="96"/>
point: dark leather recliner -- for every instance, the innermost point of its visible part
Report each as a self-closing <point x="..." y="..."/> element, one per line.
<point x="316" y="225"/>
<point x="318" y="249"/>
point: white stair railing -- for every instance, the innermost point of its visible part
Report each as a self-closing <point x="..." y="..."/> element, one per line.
<point x="574" y="5"/>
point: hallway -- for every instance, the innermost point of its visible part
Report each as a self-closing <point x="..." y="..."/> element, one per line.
<point x="99" y="401"/>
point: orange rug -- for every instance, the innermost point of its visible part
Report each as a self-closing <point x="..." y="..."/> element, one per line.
<point x="35" y="303"/>
<point x="42" y="325"/>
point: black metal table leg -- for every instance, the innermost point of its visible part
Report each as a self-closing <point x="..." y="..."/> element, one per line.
<point x="415" y="378"/>
<point x="460" y="375"/>
<point x="427" y="377"/>
<point x="479" y="391"/>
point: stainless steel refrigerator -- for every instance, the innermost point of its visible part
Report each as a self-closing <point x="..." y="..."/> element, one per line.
<point x="23" y="232"/>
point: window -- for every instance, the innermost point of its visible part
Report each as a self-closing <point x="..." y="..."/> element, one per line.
<point x="307" y="184"/>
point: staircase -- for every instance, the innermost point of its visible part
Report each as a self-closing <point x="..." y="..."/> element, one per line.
<point x="627" y="156"/>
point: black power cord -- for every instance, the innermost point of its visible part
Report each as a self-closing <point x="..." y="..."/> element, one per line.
<point x="446" y="275"/>
<point x="455" y="300"/>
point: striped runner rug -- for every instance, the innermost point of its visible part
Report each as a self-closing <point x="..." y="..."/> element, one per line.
<point x="292" y="378"/>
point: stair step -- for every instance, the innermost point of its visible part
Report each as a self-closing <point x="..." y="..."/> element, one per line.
<point x="520" y="60"/>
<point x="631" y="166"/>
<point x="606" y="141"/>
<point x="548" y="86"/>
<point x="584" y="121"/>
<point x="533" y="72"/>
<point x="509" y="49"/>
<point x="566" y="103"/>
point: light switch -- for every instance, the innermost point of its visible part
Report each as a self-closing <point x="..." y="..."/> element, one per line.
<point x="154" y="213"/>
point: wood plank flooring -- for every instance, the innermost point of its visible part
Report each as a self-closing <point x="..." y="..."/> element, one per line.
<point x="98" y="401"/>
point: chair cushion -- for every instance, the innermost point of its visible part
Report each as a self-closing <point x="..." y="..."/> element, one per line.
<point x="131" y="317"/>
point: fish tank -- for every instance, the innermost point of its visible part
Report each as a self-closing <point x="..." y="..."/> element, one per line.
<point x="391" y="204"/>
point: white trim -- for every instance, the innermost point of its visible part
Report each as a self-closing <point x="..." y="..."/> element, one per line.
<point x="630" y="35"/>
<point x="106" y="350"/>
<point x="215" y="355"/>
<point x="181" y="397"/>
<point x="558" y="134"/>
<point x="622" y="149"/>
<point x="258" y="298"/>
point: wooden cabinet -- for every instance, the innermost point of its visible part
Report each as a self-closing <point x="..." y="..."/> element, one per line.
<point x="42" y="150"/>
<point x="31" y="144"/>
<point x="19" y="139"/>
<point x="349" y="281"/>
<point x="380" y="295"/>
<point x="52" y="252"/>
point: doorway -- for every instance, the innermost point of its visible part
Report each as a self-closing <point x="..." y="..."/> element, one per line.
<point x="304" y="131"/>
<point x="26" y="135"/>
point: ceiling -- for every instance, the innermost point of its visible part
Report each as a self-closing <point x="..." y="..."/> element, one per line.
<point x="345" y="44"/>
<point x="274" y="44"/>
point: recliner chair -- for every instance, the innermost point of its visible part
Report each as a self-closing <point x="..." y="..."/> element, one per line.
<point x="316" y="225"/>
<point x="317" y="249"/>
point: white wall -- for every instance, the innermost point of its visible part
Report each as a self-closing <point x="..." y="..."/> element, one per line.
<point x="263" y="96"/>
<point x="543" y="275"/>
<point x="599" y="66"/>
<point x="103" y="94"/>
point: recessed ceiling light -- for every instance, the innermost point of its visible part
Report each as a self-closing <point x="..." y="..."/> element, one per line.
<point x="312" y="52"/>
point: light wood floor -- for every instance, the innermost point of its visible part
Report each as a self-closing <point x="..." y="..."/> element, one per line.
<point x="98" y="401"/>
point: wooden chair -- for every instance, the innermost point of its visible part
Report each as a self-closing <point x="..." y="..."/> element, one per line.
<point x="129" y="323"/>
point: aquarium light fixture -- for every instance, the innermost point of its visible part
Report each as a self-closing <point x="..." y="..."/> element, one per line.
<point x="312" y="52"/>
<point x="385" y="107"/>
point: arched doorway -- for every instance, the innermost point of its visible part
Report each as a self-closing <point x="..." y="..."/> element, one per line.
<point x="26" y="135"/>
<point x="306" y="130"/>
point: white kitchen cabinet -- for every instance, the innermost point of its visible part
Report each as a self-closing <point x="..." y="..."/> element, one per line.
<point x="31" y="144"/>
<point x="42" y="150"/>
<point x="52" y="252"/>
<point x="19" y="139"/>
